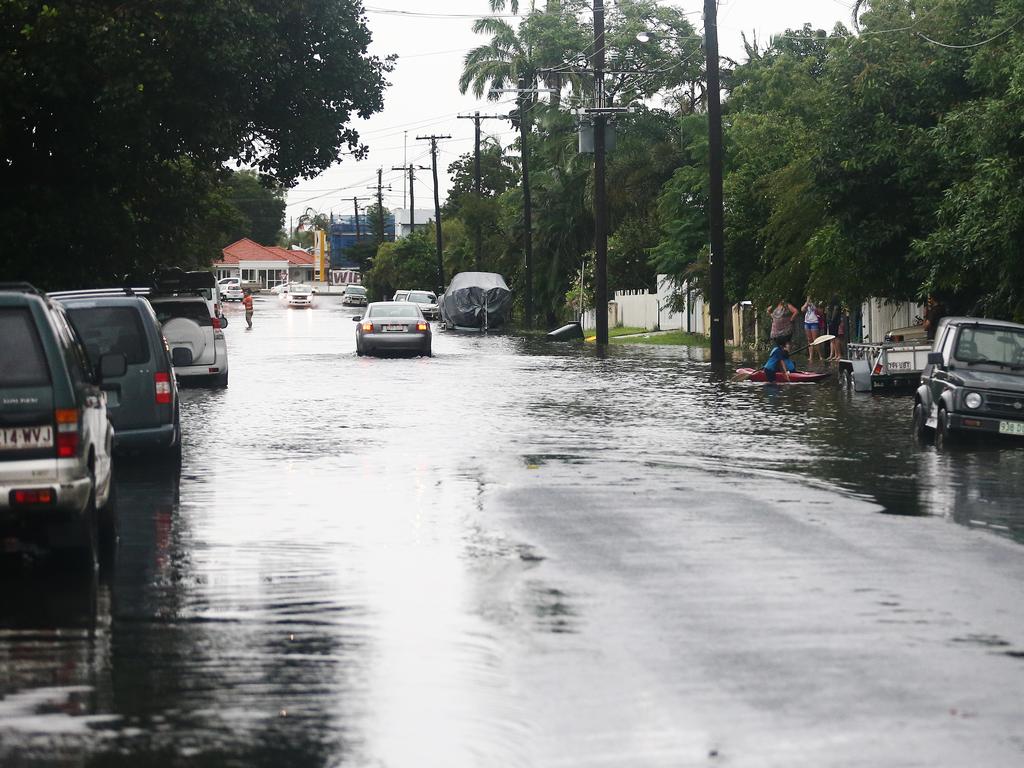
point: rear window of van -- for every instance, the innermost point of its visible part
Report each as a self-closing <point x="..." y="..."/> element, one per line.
<point x="111" y="330"/>
<point x="22" y="360"/>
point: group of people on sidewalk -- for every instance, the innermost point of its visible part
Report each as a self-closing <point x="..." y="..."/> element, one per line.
<point x="817" y="319"/>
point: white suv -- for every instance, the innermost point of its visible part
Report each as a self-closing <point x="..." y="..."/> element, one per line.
<point x="188" y="324"/>
<point x="230" y="288"/>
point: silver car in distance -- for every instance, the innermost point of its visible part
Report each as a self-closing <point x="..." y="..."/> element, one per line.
<point x="390" y="326"/>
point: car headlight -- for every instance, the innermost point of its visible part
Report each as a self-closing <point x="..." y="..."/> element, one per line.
<point x="972" y="400"/>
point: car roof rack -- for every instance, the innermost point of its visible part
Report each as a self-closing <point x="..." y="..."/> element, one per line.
<point x="20" y="285"/>
<point x="100" y="293"/>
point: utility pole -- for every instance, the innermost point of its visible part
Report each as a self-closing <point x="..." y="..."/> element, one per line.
<point x="437" y="208"/>
<point x="412" y="198"/>
<point x="716" y="208"/>
<point x="476" y="117"/>
<point x="524" y="132"/>
<point x="380" y="202"/>
<point x="355" y="207"/>
<point x="600" y="194"/>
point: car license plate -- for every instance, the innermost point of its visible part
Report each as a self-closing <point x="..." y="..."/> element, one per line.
<point x="1011" y="427"/>
<point x="25" y="438"/>
<point x="393" y="328"/>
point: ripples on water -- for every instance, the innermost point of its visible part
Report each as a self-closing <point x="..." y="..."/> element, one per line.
<point x="319" y="588"/>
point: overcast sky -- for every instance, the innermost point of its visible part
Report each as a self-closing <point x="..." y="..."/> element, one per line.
<point x="424" y="97"/>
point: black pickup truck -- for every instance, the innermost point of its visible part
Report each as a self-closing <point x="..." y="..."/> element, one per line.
<point x="973" y="381"/>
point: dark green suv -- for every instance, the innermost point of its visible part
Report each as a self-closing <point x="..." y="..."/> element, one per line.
<point x="973" y="382"/>
<point x="55" y="438"/>
<point x="143" y="403"/>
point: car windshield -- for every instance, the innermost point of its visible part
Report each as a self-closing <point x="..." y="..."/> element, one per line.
<point x="392" y="310"/>
<point x="22" y="362"/>
<point x="111" y="330"/>
<point x="357" y="290"/>
<point x="990" y="344"/>
<point x="421" y="297"/>
<point x="191" y="310"/>
<point x="300" y="289"/>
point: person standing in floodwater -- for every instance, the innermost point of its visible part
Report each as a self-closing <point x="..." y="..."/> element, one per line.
<point x="810" y="310"/>
<point x="782" y="316"/>
<point x="834" y="317"/>
<point x="247" y="303"/>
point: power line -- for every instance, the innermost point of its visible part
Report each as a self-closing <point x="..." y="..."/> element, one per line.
<point x="972" y="45"/>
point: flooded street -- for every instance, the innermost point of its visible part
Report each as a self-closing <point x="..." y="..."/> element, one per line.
<point x="523" y="554"/>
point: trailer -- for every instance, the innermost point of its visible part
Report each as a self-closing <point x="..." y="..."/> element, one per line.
<point x="890" y="366"/>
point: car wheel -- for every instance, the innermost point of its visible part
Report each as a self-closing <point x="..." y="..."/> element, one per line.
<point x="82" y="554"/>
<point x="222" y="381"/>
<point x="945" y="435"/>
<point x="107" y="525"/>
<point x="426" y="351"/>
<point x="920" y="422"/>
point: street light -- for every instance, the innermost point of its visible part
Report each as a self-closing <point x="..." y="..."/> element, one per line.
<point x="716" y="208"/>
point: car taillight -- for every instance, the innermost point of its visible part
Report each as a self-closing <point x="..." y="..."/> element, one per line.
<point x="67" y="432"/>
<point x="878" y="369"/>
<point x="31" y="496"/>
<point x="216" y="323"/>
<point x="367" y="327"/>
<point x="421" y="326"/>
<point x="162" y="383"/>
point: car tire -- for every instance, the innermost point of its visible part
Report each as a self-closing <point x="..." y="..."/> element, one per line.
<point x="945" y="435"/>
<point x="920" y="422"/>
<point x="83" y="554"/>
<point x="107" y="525"/>
<point x="426" y="351"/>
<point x="222" y="381"/>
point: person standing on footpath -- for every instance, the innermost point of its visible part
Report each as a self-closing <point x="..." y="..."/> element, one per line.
<point x="247" y="303"/>
<point x="782" y="316"/>
<point x="834" y="317"/>
<point x="810" y="310"/>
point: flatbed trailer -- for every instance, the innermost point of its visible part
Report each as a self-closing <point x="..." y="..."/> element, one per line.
<point x="884" y="367"/>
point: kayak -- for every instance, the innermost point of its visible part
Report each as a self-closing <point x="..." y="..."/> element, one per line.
<point x="757" y="374"/>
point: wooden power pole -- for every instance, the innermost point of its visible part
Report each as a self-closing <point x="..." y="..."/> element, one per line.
<point x="433" y="138"/>
<point x="716" y="207"/>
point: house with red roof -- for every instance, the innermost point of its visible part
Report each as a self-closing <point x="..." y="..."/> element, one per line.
<point x="267" y="265"/>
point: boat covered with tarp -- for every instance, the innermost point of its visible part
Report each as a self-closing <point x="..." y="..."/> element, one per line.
<point x="477" y="301"/>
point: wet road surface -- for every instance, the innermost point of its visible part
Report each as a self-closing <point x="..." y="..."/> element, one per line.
<point x="515" y="554"/>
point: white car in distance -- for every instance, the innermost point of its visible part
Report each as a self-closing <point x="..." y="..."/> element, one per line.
<point x="297" y="295"/>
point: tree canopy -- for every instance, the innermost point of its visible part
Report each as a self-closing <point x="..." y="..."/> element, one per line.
<point x="118" y="121"/>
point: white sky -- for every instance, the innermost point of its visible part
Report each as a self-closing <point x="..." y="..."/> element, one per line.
<point x="424" y="97"/>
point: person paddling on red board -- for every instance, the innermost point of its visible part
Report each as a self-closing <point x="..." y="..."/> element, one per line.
<point x="779" y="362"/>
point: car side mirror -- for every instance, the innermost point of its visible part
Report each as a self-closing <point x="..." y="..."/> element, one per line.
<point x="223" y="321"/>
<point x="357" y="318"/>
<point x="113" y="365"/>
<point x="934" y="358"/>
<point x="181" y="356"/>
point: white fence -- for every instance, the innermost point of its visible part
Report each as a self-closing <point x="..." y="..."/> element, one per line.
<point x="652" y="311"/>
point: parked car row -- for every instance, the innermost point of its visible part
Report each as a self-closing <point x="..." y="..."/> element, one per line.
<point x="85" y="375"/>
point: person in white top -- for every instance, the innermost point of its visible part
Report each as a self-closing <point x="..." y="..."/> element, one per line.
<point x="810" y="310"/>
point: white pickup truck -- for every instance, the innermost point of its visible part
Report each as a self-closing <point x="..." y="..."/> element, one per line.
<point x="889" y="366"/>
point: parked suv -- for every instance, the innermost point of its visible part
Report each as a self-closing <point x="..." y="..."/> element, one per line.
<point x="427" y="301"/>
<point x="55" y="438"/>
<point x="143" y="403"/>
<point x="973" y="382"/>
<point x="189" y="326"/>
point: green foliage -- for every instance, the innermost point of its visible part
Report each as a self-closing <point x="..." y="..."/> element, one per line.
<point x="410" y="262"/>
<point x="119" y="118"/>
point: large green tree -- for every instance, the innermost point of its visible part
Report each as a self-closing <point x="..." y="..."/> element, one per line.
<point x="117" y="120"/>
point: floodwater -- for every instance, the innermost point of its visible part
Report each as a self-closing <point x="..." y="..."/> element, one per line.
<point x="522" y="554"/>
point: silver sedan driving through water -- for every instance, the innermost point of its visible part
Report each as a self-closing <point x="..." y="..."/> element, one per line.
<point x="392" y="326"/>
